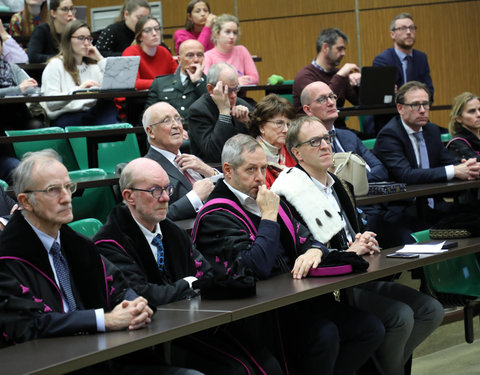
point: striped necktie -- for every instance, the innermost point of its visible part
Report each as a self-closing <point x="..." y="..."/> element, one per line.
<point x="63" y="275"/>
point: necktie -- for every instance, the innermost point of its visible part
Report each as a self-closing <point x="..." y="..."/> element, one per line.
<point x="63" y="275"/>
<point x="188" y="176"/>
<point x="157" y="242"/>
<point x="424" y="162"/>
<point x="409" y="70"/>
<point x="333" y="134"/>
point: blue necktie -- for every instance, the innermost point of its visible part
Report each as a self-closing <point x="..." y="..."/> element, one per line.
<point x="424" y="162"/>
<point x="157" y="242"/>
<point x="333" y="133"/>
<point x="63" y="275"/>
<point x="409" y="69"/>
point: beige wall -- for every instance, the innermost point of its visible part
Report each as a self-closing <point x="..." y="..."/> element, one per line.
<point x="283" y="33"/>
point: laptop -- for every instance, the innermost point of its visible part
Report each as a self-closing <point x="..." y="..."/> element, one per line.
<point x="120" y="74"/>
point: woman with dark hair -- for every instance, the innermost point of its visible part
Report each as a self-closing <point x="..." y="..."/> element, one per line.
<point x="79" y="65"/>
<point x="115" y="38"/>
<point x="464" y="127"/>
<point x="45" y="40"/>
<point x="155" y="60"/>
<point x="24" y="22"/>
<point x="269" y="124"/>
<point x="198" y="25"/>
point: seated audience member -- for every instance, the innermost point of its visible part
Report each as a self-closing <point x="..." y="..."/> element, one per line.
<point x="269" y="122"/>
<point x="7" y="208"/>
<point x="188" y="175"/>
<point x="243" y="228"/>
<point x="185" y="86"/>
<point x="218" y="114"/>
<point x="464" y="127"/>
<point x="344" y="82"/>
<point x="79" y="65"/>
<point x="155" y="60"/>
<point x="11" y="50"/>
<point x="312" y="192"/>
<point x="114" y="39"/>
<point x="198" y="25"/>
<point x="224" y="34"/>
<point x="129" y="237"/>
<point x="45" y="40"/>
<point x="411" y="149"/>
<point x="33" y="14"/>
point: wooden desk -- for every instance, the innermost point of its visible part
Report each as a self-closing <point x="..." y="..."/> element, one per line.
<point x="414" y="191"/>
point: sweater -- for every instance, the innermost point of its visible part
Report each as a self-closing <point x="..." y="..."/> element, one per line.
<point x="13" y="53"/>
<point x="239" y="57"/>
<point x="151" y="66"/>
<point x="114" y="39"/>
<point x="41" y="45"/>
<point x="57" y="81"/>
<point x="203" y="37"/>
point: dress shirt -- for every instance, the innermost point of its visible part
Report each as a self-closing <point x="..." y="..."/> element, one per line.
<point x="246" y="201"/>
<point x="184" y="78"/>
<point x="47" y="242"/>
<point x="402" y="56"/>
<point x="449" y="169"/>
<point x="192" y="196"/>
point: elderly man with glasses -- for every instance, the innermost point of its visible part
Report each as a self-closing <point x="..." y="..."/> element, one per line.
<point x="217" y="115"/>
<point x="190" y="177"/>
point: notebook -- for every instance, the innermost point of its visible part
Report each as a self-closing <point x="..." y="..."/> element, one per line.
<point x="120" y="74"/>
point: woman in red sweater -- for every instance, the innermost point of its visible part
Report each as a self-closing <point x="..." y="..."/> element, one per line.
<point x="155" y="60"/>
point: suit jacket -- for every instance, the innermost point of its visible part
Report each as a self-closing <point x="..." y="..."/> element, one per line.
<point x="122" y="242"/>
<point x="350" y="142"/>
<point x="179" y="207"/>
<point x="421" y="69"/>
<point x="207" y="133"/>
<point x="31" y="304"/>
<point x="6" y="203"/>
<point x="169" y="88"/>
<point x="394" y="149"/>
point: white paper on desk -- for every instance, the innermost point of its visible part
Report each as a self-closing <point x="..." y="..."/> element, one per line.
<point x="430" y="248"/>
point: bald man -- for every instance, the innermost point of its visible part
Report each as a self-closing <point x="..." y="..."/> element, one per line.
<point x="186" y="85"/>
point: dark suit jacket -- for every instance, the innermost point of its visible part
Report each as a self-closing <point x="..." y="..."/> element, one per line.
<point x="394" y="149"/>
<point x="421" y="70"/>
<point x="179" y="207"/>
<point x="207" y="134"/>
<point x="169" y="88"/>
<point x="350" y="142"/>
<point x="6" y="203"/>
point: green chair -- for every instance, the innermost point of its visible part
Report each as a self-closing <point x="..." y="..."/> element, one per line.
<point x="3" y="184"/>
<point x="88" y="227"/>
<point x="62" y="146"/>
<point x="369" y="143"/>
<point x="455" y="282"/>
<point x="289" y="97"/>
<point x="445" y="137"/>
<point x="110" y="153"/>
<point x="92" y="202"/>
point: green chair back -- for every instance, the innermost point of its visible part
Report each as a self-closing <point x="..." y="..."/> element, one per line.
<point x="445" y="137"/>
<point x="109" y="153"/>
<point x="88" y="227"/>
<point x="459" y="275"/>
<point x="289" y="97"/>
<point x="369" y="143"/>
<point x="3" y="184"/>
<point x="62" y="146"/>
<point x="92" y="202"/>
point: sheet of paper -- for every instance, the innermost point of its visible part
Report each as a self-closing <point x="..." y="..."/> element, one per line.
<point x="431" y="248"/>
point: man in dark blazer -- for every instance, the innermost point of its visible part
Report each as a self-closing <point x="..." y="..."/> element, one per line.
<point x="186" y="85"/>
<point x="217" y="115"/>
<point x="189" y="176"/>
<point x="7" y="205"/>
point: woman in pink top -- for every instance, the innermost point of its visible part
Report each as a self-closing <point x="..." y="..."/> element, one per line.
<point x="198" y="25"/>
<point x="224" y="34"/>
<point x="155" y="60"/>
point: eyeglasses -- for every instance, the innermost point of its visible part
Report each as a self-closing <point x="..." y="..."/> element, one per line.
<point x="169" y="121"/>
<point x="317" y="141"/>
<point x="404" y="29"/>
<point x="191" y="55"/>
<point x="68" y="10"/>
<point x="149" y="30"/>
<point x="55" y="190"/>
<point x="232" y="90"/>
<point x="83" y="38"/>
<point x="323" y="99"/>
<point x="415" y="106"/>
<point x="156" y="191"/>
<point x="280" y="123"/>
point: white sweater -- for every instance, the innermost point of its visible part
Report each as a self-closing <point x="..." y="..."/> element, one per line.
<point x="56" y="81"/>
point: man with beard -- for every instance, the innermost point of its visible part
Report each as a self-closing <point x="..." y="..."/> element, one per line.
<point x="186" y="85"/>
<point x="344" y="82"/>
